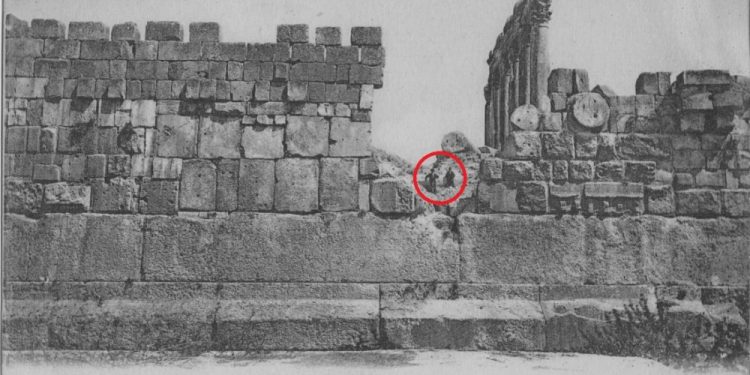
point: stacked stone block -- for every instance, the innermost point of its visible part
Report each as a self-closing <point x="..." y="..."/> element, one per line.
<point x="675" y="148"/>
<point x="177" y="123"/>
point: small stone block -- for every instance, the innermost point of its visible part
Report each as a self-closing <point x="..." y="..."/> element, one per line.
<point x="291" y="33"/>
<point x="88" y="31"/>
<point x="328" y="36"/>
<point x="164" y="31"/>
<point x="366" y="36"/>
<point x="126" y="31"/>
<point x="204" y="32"/>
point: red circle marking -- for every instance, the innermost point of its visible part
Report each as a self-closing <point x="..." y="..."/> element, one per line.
<point x="415" y="178"/>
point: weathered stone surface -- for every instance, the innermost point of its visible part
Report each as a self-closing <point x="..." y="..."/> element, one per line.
<point x="176" y="136"/>
<point x="298" y="325"/>
<point x="307" y="136"/>
<point x="579" y="317"/>
<point x="227" y="179"/>
<point x="263" y="142"/>
<point x="461" y="316"/>
<point x="523" y="145"/>
<point x="159" y="197"/>
<point x="574" y="249"/>
<point x="277" y="247"/>
<point x="660" y="200"/>
<point x="64" y="197"/>
<point x="349" y="138"/>
<point x="496" y="197"/>
<point x="220" y="138"/>
<point x="72" y="247"/>
<point x="113" y="324"/>
<point x="118" y="195"/>
<point x="47" y="29"/>
<point x="560" y="81"/>
<point x="16" y="27"/>
<point x="256" y="185"/>
<point x="166" y="168"/>
<point x="521" y="171"/>
<point x="46" y="173"/>
<point x="392" y="196"/>
<point x="558" y="145"/>
<point x="126" y="31"/>
<point x="366" y="36"/>
<point x="339" y="188"/>
<point x="698" y="202"/>
<point x="736" y="202"/>
<point x="22" y="197"/>
<point x="328" y="36"/>
<point x="204" y="32"/>
<point x="296" y="185"/>
<point x="531" y="197"/>
<point x="164" y="31"/>
<point x="704" y="77"/>
<point x="366" y="75"/>
<point x="291" y="33"/>
<point x="88" y="31"/>
<point x="198" y="185"/>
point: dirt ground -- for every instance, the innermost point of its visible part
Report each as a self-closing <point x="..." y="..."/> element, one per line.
<point x="350" y="363"/>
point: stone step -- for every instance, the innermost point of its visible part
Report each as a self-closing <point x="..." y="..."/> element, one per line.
<point x="195" y="317"/>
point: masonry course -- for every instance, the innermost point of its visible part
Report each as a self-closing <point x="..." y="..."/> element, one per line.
<point x="183" y="193"/>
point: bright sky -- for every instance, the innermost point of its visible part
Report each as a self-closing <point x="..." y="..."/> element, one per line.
<point x="437" y="49"/>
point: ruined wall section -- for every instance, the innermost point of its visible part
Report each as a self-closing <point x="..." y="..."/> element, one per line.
<point x="518" y="67"/>
<point x="675" y="148"/>
<point x="102" y="121"/>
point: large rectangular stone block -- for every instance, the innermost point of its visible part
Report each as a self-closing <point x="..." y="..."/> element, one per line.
<point x="349" y="138"/>
<point x="392" y="196"/>
<point x="164" y="30"/>
<point x="47" y="29"/>
<point x="296" y="185"/>
<point x="114" y="324"/>
<point x="61" y="247"/>
<point x="339" y="187"/>
<point x="88" y="31"/>
<point x="220" y="137"/>
<point x="307" y="136"/>
<point x="198" y="185"/>
<point x="118" y="195"/>
<point x="462" y="316"/>
<point x="105" y="50"/>
<point x="176" y="136"/>
<point x="273" y="247"/>
<point x="628" y="250"/>
<point x="698" y="202"/>
<point x="256" y="185"/>
<point x="263" y="142"/>
<point x="159" y="197"/>
<point x="64" y="197"/>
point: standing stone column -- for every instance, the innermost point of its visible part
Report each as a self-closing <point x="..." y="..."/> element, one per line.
<point x="541" y="16"/>
<point x="528" y="70"/>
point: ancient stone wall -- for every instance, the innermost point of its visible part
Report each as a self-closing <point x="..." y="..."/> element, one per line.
<point x="199" y="195"/>
<point x="174" y="124"/>
<point x="677" y="147"/>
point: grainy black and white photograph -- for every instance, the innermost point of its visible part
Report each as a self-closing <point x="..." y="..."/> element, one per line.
<point x="375" y="187"/>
